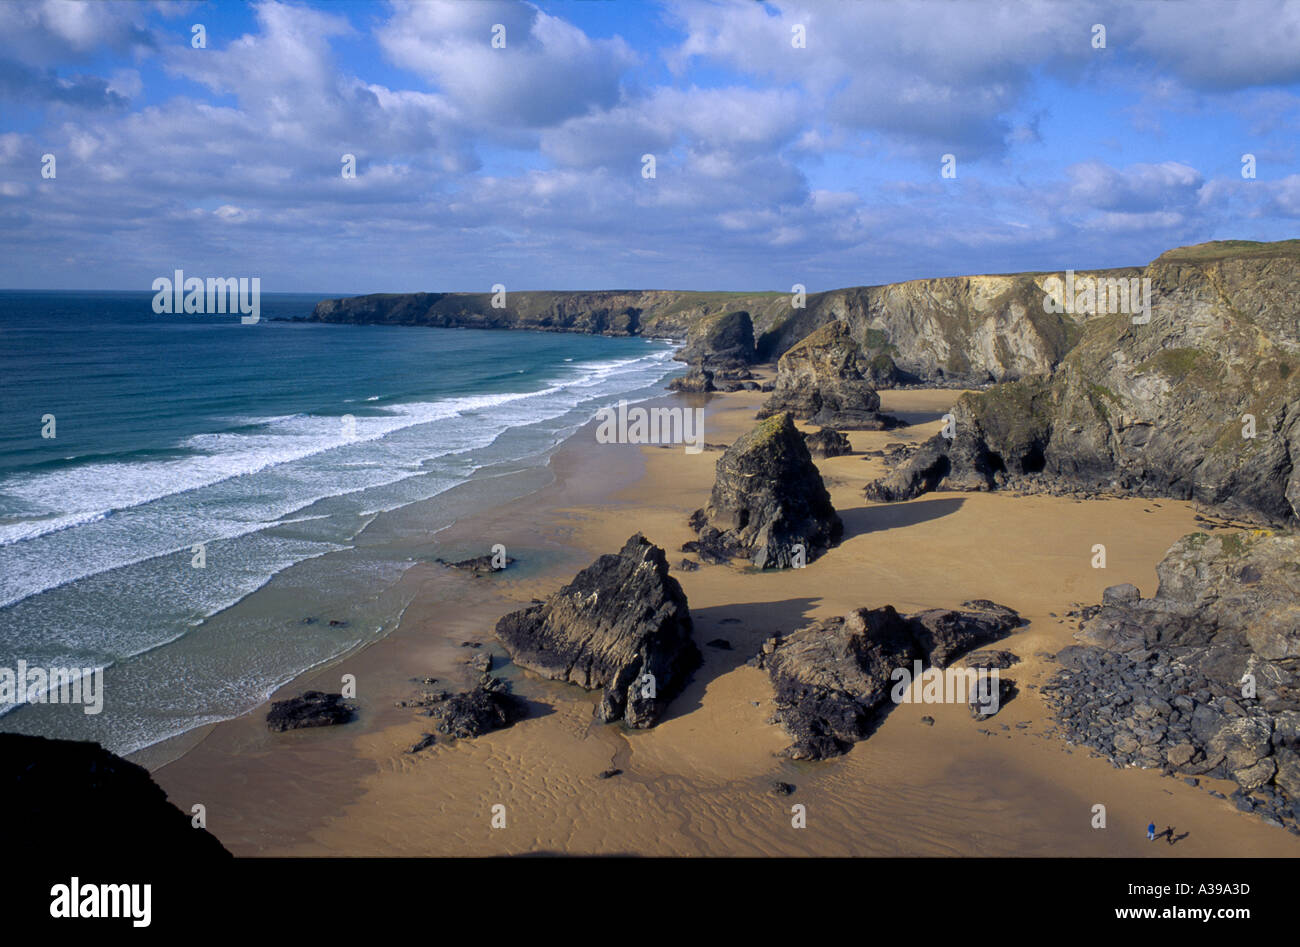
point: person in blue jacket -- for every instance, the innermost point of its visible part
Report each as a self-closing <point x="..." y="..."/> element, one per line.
<point x="1151" y="832"/>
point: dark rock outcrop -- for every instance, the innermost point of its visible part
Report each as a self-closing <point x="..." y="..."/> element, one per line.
<point x="825" y="379"/>
<point x="1002" y="660"/>
<point x="833" y="678"/>
<point x="767" y="498"/>
<point x="1203" y="678"/>
<point x="827" y="442"/>
<point x="621" y="625"/>
<point x="426" y="740"/>
<point x="312" y="709"/>
<point x="989" y="695"/>
<point x="72" y="800"/>
<point x="1202" y="402"/>
<point x="723" y="341"/>
<point x="479" y="565"/>
<point x="487" y="706"/>
<point x="696" y="380"/>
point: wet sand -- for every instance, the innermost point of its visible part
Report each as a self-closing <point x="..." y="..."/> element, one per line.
<point x="699" y="783"/>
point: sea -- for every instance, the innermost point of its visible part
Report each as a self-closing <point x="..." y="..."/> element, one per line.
<point x="157" y="471"/>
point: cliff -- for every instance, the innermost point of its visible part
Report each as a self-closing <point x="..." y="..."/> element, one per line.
<point x="958" y="331"/>
<point x="1199" y="403"/>
<point x="72" y="800"/>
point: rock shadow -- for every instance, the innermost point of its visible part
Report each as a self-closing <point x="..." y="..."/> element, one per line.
<point x="757" y="621"/>
<point x="874" y="519"/>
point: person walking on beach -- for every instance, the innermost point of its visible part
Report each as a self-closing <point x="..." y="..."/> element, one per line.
<point x="1151" y="832"/>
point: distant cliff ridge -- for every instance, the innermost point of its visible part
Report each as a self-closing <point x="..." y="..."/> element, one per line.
<point x="969" y="330"/>
<point x="961" y="330"/>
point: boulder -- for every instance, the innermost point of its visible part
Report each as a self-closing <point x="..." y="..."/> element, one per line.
<point x="827" y="442"/>
<point x="312" y="709"/>
<point x="622" y="625"/>
<point x="1125" y="594"/>
<point x="768" y="498"/>
<point x="1001" y="660"/>
<point x="696" y="380"/>
<point x="478" y="565"/>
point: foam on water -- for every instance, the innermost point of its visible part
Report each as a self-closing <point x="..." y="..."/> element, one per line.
<point x="95" y="554"/>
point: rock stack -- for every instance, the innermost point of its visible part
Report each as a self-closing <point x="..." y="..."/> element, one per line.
<point x="768" y="498"/>
<point x="622" y="625"/>
<point x="825" y="379"/>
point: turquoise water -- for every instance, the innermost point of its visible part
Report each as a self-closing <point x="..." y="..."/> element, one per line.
<point x="271" y="445"/>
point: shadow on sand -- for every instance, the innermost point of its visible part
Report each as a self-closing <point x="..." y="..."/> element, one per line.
<point x="873" y="519"/>
<point x="744" y="626"/>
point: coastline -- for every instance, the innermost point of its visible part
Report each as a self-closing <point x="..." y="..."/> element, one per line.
<point x="698" y="784"/>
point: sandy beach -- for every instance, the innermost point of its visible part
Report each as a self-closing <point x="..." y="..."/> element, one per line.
<point x="699" y="783"/>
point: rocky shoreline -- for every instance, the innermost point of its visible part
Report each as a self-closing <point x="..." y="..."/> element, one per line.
<point x="1150" y="682"/>
<point x="1201" y="679"/>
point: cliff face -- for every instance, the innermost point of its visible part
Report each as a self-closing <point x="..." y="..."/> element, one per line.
<point x="1202" y="402"/>
<point x="956" y="330"/>
<point x="720" y="342"/>
<point x="660" y="313"/>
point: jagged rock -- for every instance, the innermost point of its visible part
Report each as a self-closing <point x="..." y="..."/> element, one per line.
<point x="1001" y="660"/>
<point x="826" y="380"/>
<point x="481" y="662"/>
<point x="944" y="634"/>
<point x="833" y="678"/>
<point x="1173" y="666"/>
<point x="1158" y="409"/>
<point x="312" y="709"/>
<point x="988" y="695"/>
<point x="697" y="380"/>
<point x="65" y="799"/>
<point x="767" y="498"/>
<point x="781" y="789"/>
<point x="827" y="442"/>
<point x="479" y="565"/>
<point x="487" y="706"/>
<point x="1125" y="594"/>
<point x="620" y="619"/>
<point x="426" y="740"/>
<point x="724" y="341"/>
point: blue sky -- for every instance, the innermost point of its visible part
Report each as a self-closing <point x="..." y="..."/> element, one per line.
<point x="775" y="164"/>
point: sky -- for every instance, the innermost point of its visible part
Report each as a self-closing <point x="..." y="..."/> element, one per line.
<point x="829" y="143"/>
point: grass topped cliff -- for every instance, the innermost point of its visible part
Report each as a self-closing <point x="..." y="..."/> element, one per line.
<point x="1202" y="402"/>
<point x="958" y="330"/>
